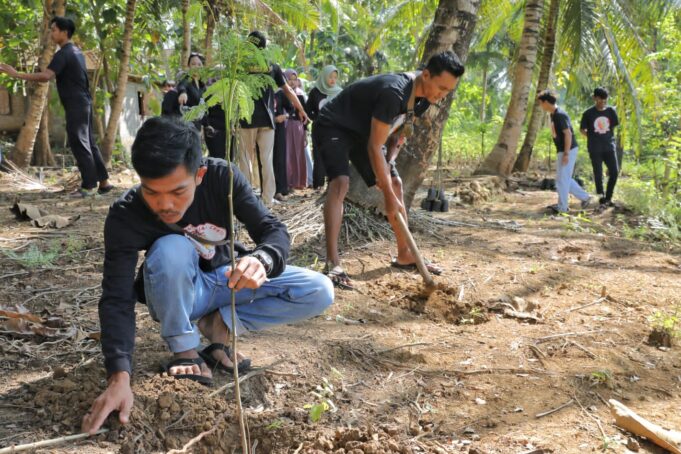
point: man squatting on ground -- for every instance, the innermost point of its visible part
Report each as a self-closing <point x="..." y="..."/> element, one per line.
<point x="567" y="148"/>
<point x="355" y="126"/>
<point x="178" y="215"/>
<point x="68" y="66"/>
<point x="597" y="125"/>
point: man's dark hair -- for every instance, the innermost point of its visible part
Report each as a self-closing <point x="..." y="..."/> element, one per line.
<point x="164" y="143"/>
<point x="601" y="92"/>
<point x="445" y="61"/>
<point x="196" y="54"/>
<point x="64" y="24"/>
<point x="258" y="38"/>
<point x="548" y="96"/>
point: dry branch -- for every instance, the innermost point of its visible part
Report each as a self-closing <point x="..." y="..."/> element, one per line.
<point x="630" y="421"/>
<point x="554" y="410"/>
<point x="51" y="442"/>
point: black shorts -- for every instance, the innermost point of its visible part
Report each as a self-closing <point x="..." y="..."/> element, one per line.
<point x="338" y="148"/>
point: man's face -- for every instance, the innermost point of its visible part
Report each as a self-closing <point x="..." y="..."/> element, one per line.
<point x="169" y="197"/>
<point x="601" y="103"/>
<point x="437" y="87"/>
<point x="545" y="105"/>
<point x="58" y="36"/>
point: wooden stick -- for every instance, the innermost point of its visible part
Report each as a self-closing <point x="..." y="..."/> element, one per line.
<point x="630" y="421"/>
<point x="557" y="336"/>
<point x="546" y="413"/>
<point x="599" y="300"/>
<point x="51" y="442"/>
<point x="193" y="441"/>
<point x="584" y="349"/>
<point x="258" y="371"/>
<point x="420" y="264"/>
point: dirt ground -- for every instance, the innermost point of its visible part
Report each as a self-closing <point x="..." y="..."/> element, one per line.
<point x="532" y="312"/>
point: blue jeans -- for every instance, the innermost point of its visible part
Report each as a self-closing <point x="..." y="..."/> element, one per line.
<point x="565" y="184"/>
<point x="178" y="293"/>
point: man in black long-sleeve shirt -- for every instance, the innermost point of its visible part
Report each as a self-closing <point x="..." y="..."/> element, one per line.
<point x="179" y="216"/>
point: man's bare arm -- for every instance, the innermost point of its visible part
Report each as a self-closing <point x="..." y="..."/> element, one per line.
<point x="42" y="76"/>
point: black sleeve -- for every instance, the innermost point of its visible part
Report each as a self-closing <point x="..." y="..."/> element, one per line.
<point x="388" y="106"/>
<point x="182" y="87"/>
<point x="58" y="63"/>
<point x="560" y="122"/>
<point x="584" y="122"/>
<point x="117" y="304"/>
<point x="278" y="76"/>
<point x="312" y="104"/>
<point x="268" y="233"/>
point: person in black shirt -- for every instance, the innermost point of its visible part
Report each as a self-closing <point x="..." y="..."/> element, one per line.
<point x="191" y="87"/>
<point x="597" y="125"/>
<point x="355" y="126"/>
<point x="257" y="135"/>
<point x="179" y="216"/>
<point x="325" y="90"/>
<point x="567" y="148"/>
<point x="68" y="66"/>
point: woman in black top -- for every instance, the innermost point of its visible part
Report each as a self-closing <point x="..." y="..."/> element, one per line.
<point x="190" y="89"/>
<point x="324" y="90"/>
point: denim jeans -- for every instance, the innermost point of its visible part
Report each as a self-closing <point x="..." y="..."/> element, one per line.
<point x="179" y="293"/>
<point x="565" y="184"/>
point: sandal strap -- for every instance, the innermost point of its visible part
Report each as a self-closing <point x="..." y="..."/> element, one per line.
<point x="185" y="362"/>
<point x="218" y="346"/>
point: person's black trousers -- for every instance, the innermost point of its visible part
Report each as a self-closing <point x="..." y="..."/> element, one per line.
<point x="609" y="158"/>
<point x="82" y="142"/>
<point x="318" y="171"/>
<point x="279" y="159"/>
<point x="216" y="142"/>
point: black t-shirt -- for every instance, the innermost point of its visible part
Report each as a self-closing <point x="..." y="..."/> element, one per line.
<point x="315" y="101"/>
<point x="384" y="97"/>
<point x="194" y="92"/>
<point x="131" y="227"/>
<point x="68" y="64"/>
<point x="560" y="121"/>
<point x="263" y="114"/>
<point x="599" y="125"/>
<point x="170" y="106"/>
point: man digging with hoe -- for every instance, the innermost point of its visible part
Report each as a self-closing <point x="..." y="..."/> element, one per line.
<point x="363" y="124"/>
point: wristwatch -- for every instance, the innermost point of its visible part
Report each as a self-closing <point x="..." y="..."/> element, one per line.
<point x="264" y="258"/>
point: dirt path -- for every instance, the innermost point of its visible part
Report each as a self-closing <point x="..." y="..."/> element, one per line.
<point x="459" y="375"/>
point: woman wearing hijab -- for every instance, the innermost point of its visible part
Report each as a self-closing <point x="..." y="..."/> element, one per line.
<point x="295" y="140"/>
<point x="325" y="90"/>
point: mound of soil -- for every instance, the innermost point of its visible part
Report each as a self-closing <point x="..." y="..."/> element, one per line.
<point x="441" y="303"/>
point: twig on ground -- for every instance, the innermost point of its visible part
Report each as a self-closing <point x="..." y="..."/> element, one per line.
<point x="51" y="442"/>
<point x="258" y="371"/>
<point x="598" y="301"/>
<point x="298" y="449"/>
<point x="540" y="355"/>
<point x="193" y="441"/>
<point x="584" y="349"/>
<point x="558" y="336"/>
<point x="380" y="352"/>
<point x="546" y="413"/>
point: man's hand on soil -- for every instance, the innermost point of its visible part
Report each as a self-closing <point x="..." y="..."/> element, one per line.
<point x="117" y="396"/>
<point x="249" y="273"/>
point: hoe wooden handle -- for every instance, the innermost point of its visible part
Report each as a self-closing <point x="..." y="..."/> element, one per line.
<point x="420" y="264"/>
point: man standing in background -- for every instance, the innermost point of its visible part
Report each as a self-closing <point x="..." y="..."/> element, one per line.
<point x="597" y="125"/>
<point x="68" y="66"/>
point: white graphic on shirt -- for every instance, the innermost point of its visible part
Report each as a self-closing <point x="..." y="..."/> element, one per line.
<point x="602" y="125"/>
<point x="207" y="232"/>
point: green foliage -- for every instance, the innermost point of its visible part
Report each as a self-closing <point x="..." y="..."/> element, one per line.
<point x="34" y="257"/>
<point x="668" y="322"/>
<point x="323" y="394"/>
<point x="601" y="377"/>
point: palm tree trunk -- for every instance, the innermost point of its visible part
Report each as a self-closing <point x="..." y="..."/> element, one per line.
<point x="522" y="163"/>
<point x="186" y="35"/>
<point x="42" y="153"/>
<point x="212" y="15"/>
<point x="452" y="29"/>
<point x="501" y="158"/>
<point x="117" y="100"/>
<point x="21" y="154"/>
